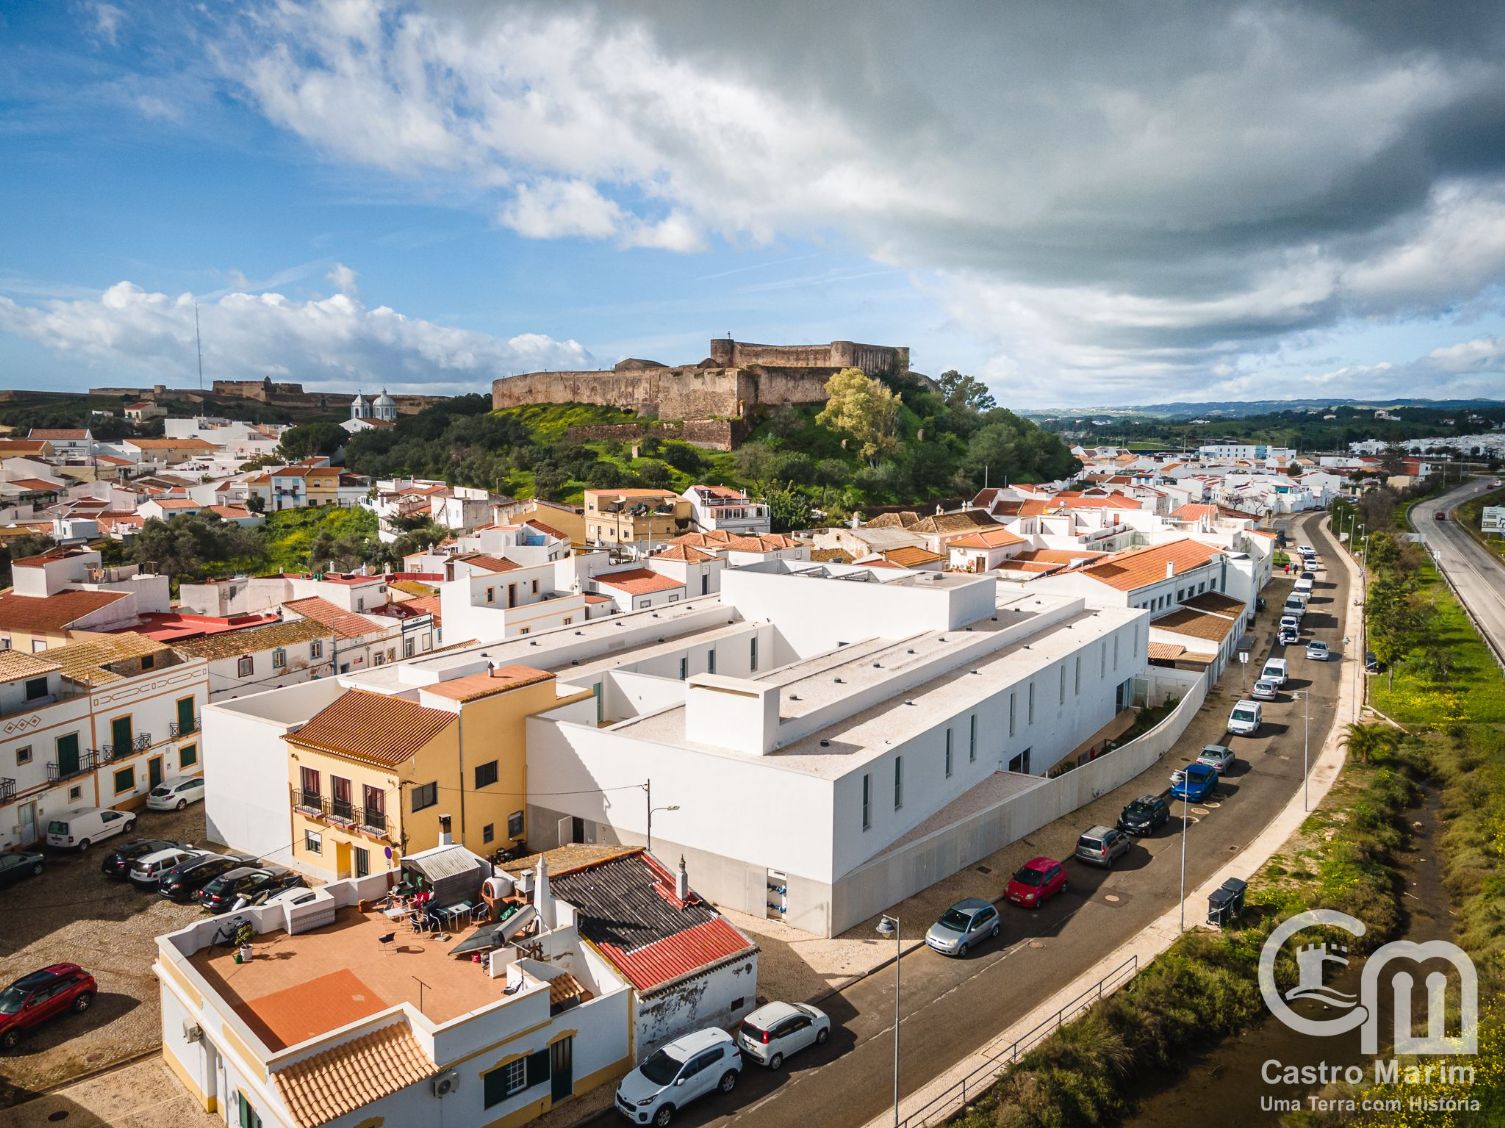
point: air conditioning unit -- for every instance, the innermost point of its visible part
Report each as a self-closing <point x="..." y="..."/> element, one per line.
<point x="445" y="1084"/>
<point x="192" y="1032"/>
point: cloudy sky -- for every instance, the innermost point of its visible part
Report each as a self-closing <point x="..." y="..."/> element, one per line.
<point x="1082" y="203"/>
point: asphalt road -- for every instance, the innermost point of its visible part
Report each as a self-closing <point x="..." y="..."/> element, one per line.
<point x="1475" y="572"/>
<point x="952" y="1007"/>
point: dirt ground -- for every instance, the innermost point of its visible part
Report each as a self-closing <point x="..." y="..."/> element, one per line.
<point x="73" y="913"/>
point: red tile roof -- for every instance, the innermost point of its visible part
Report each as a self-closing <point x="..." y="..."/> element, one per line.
<point x="345" y="624"/>
<point x="53" y="613"/>
<point x="1138" y="567"/>
<point x="372" y="727"/>
<point x="986" y="538"/>
<point x="639" y="581"/>
<point x="35" y="484"/>
<point x="57" y="433"/>
<point x="487" y="563"/>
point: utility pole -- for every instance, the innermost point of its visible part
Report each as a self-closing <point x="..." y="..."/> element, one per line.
<point x="198" y="344"/>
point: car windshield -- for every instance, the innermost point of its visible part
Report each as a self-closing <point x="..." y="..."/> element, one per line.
<point x="1093" y="844"/>
<point x="56" y="827"/>
<point x="11" y="999"/>
<point x="955" y="920"/>
<point x="1138" y="809"/>
<point x="161" y="790"/>
<point x="1243" y="714"/>
<point x="661" y="1067"/>
<point x="1029" y="877"/>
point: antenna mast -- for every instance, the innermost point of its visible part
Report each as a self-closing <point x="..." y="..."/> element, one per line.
<point x="198" y="344"/>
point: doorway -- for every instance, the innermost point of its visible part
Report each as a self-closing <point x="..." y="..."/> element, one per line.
<point x="153" y="772"/>
<point x="28" y="823"/>
<point x="562" y="1068"/>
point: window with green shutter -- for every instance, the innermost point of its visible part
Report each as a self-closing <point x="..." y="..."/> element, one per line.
<point x="506" y="1081"/>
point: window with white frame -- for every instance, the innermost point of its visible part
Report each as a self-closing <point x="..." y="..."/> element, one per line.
<point x="245" y="667"/>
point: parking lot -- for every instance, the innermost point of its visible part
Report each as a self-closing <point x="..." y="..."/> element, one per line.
<point x="73" y="913"/>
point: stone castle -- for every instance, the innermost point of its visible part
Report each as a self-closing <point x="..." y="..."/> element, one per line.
<point x="737" y="377"/>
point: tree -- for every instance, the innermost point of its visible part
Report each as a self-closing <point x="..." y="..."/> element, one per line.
<point x="256" y="503"/>
<point x="1397" y="618"/>
<point x="190" y="548"/>
<point x="864" y="410"/>
<point x="309" y="439"/>
<point x="966" y="392"/>
<point x="1365" y="741"/>
<point x="788" y="507"/>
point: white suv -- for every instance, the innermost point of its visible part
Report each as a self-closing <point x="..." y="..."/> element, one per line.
<point x="676" y="1074"/>
<point x="174" y="795"/>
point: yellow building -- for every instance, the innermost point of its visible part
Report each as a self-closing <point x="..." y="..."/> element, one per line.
<point x="635" y="516"/>
<point x="374" y="772"/>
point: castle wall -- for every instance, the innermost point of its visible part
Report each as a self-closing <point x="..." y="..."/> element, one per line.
<point x="872" y="359"/>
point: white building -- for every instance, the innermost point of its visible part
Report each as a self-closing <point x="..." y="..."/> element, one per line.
<point x="93" y="724"/>
<point x="261" y="658"/>
<point x="721" y="509"/>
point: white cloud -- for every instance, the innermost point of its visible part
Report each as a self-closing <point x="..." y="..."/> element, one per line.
<point x="342" y="278"/>
<point x="551" y="209"/>
<point x="107" y="20"/>
<point x="246" y="335"/>
<point x="1470" y="356"/>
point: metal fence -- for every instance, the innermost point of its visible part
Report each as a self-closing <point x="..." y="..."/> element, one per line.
<point x="943" y="1106"/>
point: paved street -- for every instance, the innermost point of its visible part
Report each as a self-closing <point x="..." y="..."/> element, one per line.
<point x="1475" y="572"/>
<point x="950" y="1007"/>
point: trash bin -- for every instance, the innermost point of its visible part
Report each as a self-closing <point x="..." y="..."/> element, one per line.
<point x="1220" y="907"/>
<point x="1236" y="887"/>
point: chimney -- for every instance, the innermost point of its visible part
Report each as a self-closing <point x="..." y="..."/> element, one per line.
<point x="681" y="882"/>
<point x="1170" y="569"/>
<point x="445" y="837"/>
<point x="543" y="898"/>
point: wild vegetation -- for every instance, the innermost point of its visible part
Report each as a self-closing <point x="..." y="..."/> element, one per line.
<point x="885" y="441"/>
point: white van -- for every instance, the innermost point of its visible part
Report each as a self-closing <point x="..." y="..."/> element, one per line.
<point x="1245" y="718"/>
<point x="1276" y="670"/>
<point x="81" y="827"/>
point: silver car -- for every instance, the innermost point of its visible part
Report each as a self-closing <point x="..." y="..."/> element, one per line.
<point x="1219" y="757"/>
<point x="964" y="924"/>
<point x="776" y="1030"/>
<point x="1102" y="846"/>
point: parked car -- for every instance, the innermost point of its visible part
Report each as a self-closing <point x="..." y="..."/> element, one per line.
<point x="1036" y="882"/>
<point x="183" y="882"/>
<point x="1276" y="670"/>
<point x="1306" y="550"/>
<point x="1144" y="815"/>
<point x="81" y="827"/>
<point x="1290" y="623"/>
<point x="1303" y="587"/>
<point x="1265" y="689"/>
<point x="776" y="1030"/>
<point x="676" y="1074"/>
<point x="1289" y="636"/>
<point x="1317" y="651"/>
<point x="42" y="996"/>
<point x="117" y="862"/>
<point x="964" y="924"/>
<point x="148" y="869"/>
<point x="1218" y="757"/>
<point x="1294" y="605"/>
<point x="1308" y="575"/>
<point x="1245" y="718"/>
<point x="251" y="883"/>
<point x="1197" y="782"/>
<point x="174" y="795"/>
<point x="1102" y="846"/>
<point x="16" y="864"/>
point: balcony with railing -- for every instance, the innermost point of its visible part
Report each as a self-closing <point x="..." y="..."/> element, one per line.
<point x="107" y="752"/>
<point x="371" y="820"/>
<point x="7" y="789"/>
<point x="308" y="802"/>
<point x="340" y="811"/>
<point x="87" y="762"/>
<point x="175" y="729"/>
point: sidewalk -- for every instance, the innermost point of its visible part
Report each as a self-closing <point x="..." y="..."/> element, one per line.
<point x="936" y="1100"/>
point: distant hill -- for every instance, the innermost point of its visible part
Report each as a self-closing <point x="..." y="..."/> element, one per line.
<point x="1236" y="409"/>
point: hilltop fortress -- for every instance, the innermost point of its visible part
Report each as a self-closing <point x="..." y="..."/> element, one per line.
<point x="737" y="377"/>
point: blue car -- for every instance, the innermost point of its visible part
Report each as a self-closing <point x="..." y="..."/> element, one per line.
<point x="1197" y="782"/>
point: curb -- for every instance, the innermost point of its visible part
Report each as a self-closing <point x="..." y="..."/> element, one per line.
<point x="90" y="1075"/>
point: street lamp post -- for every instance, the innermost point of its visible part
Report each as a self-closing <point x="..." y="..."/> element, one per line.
<point x="889" y="925"/>
<point x="1306" y="733"/>
<point x="648" y="791"/>
<point x="1185" y="803"/>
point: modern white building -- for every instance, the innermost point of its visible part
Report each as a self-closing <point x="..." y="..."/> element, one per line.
<point x="722" y="509"/>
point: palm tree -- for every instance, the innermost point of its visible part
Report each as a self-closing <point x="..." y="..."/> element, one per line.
<point x="1364" y="741"/>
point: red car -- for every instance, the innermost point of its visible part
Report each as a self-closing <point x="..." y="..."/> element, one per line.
<point x="1037" y="881"/>
<point x="42" y="996"/>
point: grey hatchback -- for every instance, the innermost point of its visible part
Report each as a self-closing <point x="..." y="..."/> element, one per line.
<point x="962" y="925"/>
<point x="1102" y="845"/>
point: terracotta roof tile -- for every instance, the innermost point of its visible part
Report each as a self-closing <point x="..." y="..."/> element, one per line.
<point x="350" y="1076"/>
<point x="229" y="644"/>
<point x="1166" y="651"/>
<point x="16" y="664"/>
<point x="488" y="563"/>
<point x="57" y="433"/>
<point x="372" y="727"/>
<point x="1136" y="567"/>
<point x="548" y="530"/>
<point x="345" y="624"/>
<point x="687" y="553"/>
<point x="55" y="612"/>
<point x="639" y="581"/>
<point x="911" y="556"/>
<point x="1197" y="624"/>
<point x="986" y="538"/>
<point x="88" y="662"/>
<point x="1217" y="603"/>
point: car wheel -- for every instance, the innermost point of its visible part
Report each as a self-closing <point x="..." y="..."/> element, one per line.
<point x="130" y="826"/>
<point x="728" y="1081"/>
<point x="83" y="1003"/>
<point x="182" y="803"/>
<point x="84" y="845"/>
<point x="1065" y="885"/>
<point x="961" y="951"/>
<point x="10" y="1039"/>
<point x="664" y="1116"/>
<point x="820" y="1038"/>
<point x="994" y="934"/>
<point x="36" y="870"/>
<point x="776" y="1062"/>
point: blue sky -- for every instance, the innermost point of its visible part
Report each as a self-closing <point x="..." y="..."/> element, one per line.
<point x="1250" y="202"/>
